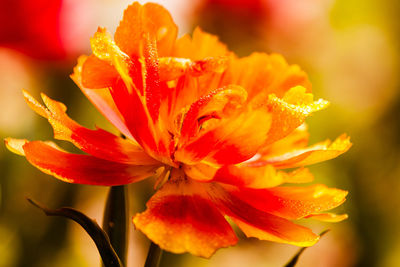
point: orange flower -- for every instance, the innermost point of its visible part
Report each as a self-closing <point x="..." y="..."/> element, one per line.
<point x="217" y="130"/>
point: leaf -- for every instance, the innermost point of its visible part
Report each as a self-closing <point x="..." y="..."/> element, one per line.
<point x="100" y="238"/>
<point x="293" y="261"/>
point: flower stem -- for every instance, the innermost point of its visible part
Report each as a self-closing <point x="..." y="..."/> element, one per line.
<point x="115" y="220"/>
<point x="154" y="256"/>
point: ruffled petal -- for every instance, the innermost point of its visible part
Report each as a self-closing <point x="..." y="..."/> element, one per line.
<point x="139" y="21"/>
<point x="223" y="143"/>
<point x="98" y="143"/>
<point x="265" y="74"/>
<point x="201" y="45"/>
<point x="101" y="98"/>
<point x="288" y="112"/>
<point x="80" y="169"/>
<point x="256" y="223"/>
<point x="215" y="105"/>
<point x="292" y="202"/>
<point x="171" y="68"/>
<point x="319" y="152"/>
<point x="180" y="218"/>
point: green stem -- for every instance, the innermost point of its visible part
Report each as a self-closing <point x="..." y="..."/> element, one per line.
<point x="153" y="256"/>
<point x="115" y="220"/>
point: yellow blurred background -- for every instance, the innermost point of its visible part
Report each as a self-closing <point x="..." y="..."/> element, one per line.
<point x="349" y="48"/>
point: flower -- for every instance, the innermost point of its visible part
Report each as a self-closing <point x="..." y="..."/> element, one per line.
<point x="217" y="131"/>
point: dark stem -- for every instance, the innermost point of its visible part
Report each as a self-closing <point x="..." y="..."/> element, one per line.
<point x="115" y="220"/>
<point x="154" y="256"/>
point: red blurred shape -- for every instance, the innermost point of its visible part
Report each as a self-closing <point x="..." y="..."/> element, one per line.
<point x="32" y="27"/>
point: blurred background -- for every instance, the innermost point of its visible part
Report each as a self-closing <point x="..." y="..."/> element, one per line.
<point x="349" y="48"/>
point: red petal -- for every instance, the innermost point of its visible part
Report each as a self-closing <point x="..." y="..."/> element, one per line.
<point x="98" y="143"/>
<point x="83" y="169"/>
<point x="136" y="116"/>
<point x="292" y="202"/>
<point x="256" y="223"/>
<point x="179" y="218"/>
<point x="101" y="99"/>
<point x="224" y="144"/>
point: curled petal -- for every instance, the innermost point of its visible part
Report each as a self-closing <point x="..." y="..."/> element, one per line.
<point x="288" y="113"/>
<point x="149" y="19"/>
<point x="80" y="169"/>
<point x="101" y="98"/>
<point x="180" y="218"/>
<point x="98" y="143"/>
<point x="310" y="155"/>
<point x="105" y="49"/>
<point x="217" y="104"/>
<point x="97" y="73"/>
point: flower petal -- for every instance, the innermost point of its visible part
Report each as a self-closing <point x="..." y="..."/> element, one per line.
<point x="97" y="73"/>
<point x="98" y="143"/>
<point x="328" y="217"/>
<point x="223" y="143"/>
<point x="180" y="218"/>
<point x="256" y="223"/>
<point x="260" y="177"/>
<point x="217" y="104"/>
<point x="80" y="169"/>
<point x="292" y="202"/>
<point x="171" y="68"/>
<point x="275" y="229"/>
<point x="311" y="155"/>
<point x="297" y="139"/>
<point x="201" y="45"/>
<point x="243" y="176"/>
<point x="289" y="112"/>
<point x="139" y="86"/>
<point x="101" y="98"/>
<point x="265" y="74"/>
<point x="149" y="19"/>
